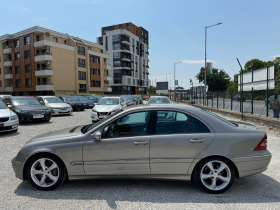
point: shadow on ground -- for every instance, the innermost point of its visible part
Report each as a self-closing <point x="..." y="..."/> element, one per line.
<point x="255" y="189"/>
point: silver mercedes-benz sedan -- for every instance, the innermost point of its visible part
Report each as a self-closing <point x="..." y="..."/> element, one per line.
<point x="155" y="141"/>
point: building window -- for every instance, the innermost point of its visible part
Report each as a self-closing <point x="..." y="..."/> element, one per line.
<point x="95" y="71"/>
<point x="89" y="48"/>
<point x="117" y="63"/>
<point x="28" y="82"/>
<point x="94" y="83"/>
<point x="27" y="68"/>
<point x="27" y="54"/>
<point x="37" y="38"/>
<point x="17" y="56"/>
<point x="81" y="50"/>
<point x="127" y="26"/>
<point x="116" y="38"/>
<point x="116" y="55"/>
<point x="81" y="75"/>
<point x="0" y="83"/>
<point x="116" y="46"/>
<point x="18" y="83"/>
<point x="94" y="59"/>
<point x="65" y="41"/>
<point x="26" y="40"/>
<point x="16" y="43"/>
<point x="120" y="26"/>
<point x="55" y="39"/>
<point x="17" y="70"/>
<point x="82" y="63"/>
<point x="0" y="71"/>
<point x="82" y="88"/>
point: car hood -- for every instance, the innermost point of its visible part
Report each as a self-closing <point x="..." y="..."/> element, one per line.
<point x="59" y="105"/>
<point x="33" y="107"/>
<point x="5" y="113"/>
<point x="57" y="135"/>
<point x="73" y="102"/>
<point x="106" y="108"/>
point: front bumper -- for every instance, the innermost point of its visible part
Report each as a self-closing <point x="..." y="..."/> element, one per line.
<point x="96" y="116"/>
<point x="61" y="111"/>
<point x="10" y="125"/>
<point x="18" y="165"/>
<point x="25" y="117"/>
<point x="254" y="163"/>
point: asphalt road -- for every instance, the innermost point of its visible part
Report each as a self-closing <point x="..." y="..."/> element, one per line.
<point x="259" y="107"/>
<point x="261" y="191"/>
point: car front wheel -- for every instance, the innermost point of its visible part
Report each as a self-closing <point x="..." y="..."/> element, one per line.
<point x="46" y="172"/>
<point x="214" y="175"/>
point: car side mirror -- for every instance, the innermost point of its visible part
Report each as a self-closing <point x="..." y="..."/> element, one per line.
<point x="10" y="106"/>
<point x="97" y="135"/>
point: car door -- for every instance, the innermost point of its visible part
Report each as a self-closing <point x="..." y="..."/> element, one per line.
<point x="123" y="148"/>
<point x="176" y="140"/>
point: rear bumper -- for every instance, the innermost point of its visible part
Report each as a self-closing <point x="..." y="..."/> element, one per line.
<point x="256" y="163"/>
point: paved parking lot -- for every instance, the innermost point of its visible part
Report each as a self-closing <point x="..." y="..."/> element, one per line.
<point x="261" y="191"/>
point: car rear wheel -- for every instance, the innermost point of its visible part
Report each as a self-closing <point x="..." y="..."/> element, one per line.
<point x="214" y="175"/>
<point x="46" y="172"/>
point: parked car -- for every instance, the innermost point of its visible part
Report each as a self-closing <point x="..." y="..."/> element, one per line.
<point x="107" y="106"/>
<point x="137" y="99"/>
<point x="8" y="119"/>
<point x="238" y="97"/>
<point x="92" y="98"/>
<point x="88" y="104"/>
<point x="169" y="141"/>
<point x="74" y="103"/>
<point x="57" y="106"/>
<point x="159" y="100"/>
<point x="5" y="96"/>
<point x="128" y="99"/>
<point x="28" y="108"/>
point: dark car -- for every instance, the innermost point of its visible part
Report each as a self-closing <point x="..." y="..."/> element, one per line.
<point x="28" y="108"/>
<point x="94" y="99"/>
<point x="75" y="104"/>
<point x="137" y="99"/>
<point x="238" y="97"/>
<point x="128" y="99"/>
<point x="88" y="104"/>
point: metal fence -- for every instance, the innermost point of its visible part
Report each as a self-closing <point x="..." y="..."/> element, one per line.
<point x="254" y="102"/>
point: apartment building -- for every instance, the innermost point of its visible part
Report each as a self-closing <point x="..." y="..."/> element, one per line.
<point x="40" y="61"/>
<point x="128" y="46"/>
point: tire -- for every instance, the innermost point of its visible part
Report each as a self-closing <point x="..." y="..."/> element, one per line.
<point x="52" y="177"/>
<point x="213" y="180"/>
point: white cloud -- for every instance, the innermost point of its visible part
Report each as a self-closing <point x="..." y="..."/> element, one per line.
<point x="196" y="61"/>
<point x="275" y="56"/>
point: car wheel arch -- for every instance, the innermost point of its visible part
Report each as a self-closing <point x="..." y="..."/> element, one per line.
<point x="236" y="172"/>
<point x="39" y="154"/>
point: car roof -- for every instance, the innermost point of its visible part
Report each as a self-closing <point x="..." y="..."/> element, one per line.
<point x="48" y="96"/>
<point x="111" y="97"/>
<point x="158" y="97"/>
<point x="22" y="97"/>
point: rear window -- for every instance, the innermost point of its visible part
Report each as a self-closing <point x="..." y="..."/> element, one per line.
<point x="218" y="117"/>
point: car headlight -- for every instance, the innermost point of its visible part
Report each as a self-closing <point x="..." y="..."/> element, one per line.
<point x="21" y="111"/>
<point x="93" y="110"/>
<point x="14" y="117"/>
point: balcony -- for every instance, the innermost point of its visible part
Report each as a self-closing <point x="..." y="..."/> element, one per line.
<point x="44" y="86"/>
<point x="107" y="78"/>
<point x="44" y="57"/>
<point x="43" y="72"/>
<point x="8" y="76"/>
<point x="125" y="42"/>
<point x="7" y="50"/>
<point x="42" y="43"/>
<point x="126" y="59"/>
<point x="8" y="63"/>
<point x="107" y="89"/>
<point x="8" y="89"/>
<point x="107" y="66"/>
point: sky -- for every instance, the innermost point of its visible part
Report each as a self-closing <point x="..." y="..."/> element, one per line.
<point x="250" y="29"/>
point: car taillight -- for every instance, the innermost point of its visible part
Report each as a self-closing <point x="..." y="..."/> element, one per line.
<point x="262" y="145"/>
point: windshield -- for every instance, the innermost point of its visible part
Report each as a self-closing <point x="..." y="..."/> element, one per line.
<point x="2" y="105"/>
<point x="91" y="126"/>
<point x="90" y="97"/>
<point x="127" y="98"/>
<point x="98" y="97"/>
<point x="53" y="100"/>
<point x="69" y="98"/>
<point x="80" y="98"/>
<point x="109" y="101"/>
<point x="25" y="102"/>
<point x="220" y="118"/>
<point x="161" y="100"/>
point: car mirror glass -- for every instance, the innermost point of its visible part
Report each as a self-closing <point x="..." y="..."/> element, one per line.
<point x="97" y="135"/>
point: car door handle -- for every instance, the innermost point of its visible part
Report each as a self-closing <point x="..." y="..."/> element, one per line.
<point x="141" y="142"/>
<point x="197" y="140"/>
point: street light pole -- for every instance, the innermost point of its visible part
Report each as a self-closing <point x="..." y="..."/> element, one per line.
<point x="205" y="52"/>
<point x="175" y="80"/>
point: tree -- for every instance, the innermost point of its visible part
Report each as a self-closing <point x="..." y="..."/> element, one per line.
<point x="151" y="90"/>
<point x="254" y="64"/>
<point x="233" y="85"/>
<point x="217" y="81"/>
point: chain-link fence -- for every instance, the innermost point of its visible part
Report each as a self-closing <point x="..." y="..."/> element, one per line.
<point x="254" y="102"/>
